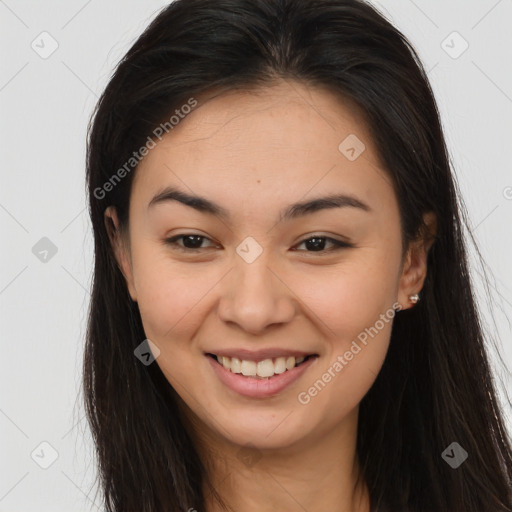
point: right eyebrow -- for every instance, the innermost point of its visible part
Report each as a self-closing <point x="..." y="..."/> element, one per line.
<point x="293" y="211"/>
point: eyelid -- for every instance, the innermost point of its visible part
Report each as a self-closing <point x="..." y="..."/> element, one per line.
<point x="339" y="244"/>
<point x="172" y="241"/>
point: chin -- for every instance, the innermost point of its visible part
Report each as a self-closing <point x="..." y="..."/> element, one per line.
<point x="263" y="431"/>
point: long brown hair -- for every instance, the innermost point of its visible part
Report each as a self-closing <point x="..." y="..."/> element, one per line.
<point x="435" y="386"/>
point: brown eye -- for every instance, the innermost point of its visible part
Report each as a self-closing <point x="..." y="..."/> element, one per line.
<point x="191" y="242"/>
<point x="317" y="243"/>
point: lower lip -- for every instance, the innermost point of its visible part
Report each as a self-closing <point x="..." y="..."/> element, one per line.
<point x="259" y="388"/>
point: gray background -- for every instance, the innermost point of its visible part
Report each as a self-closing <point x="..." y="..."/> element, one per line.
<point x="45" y="104"/>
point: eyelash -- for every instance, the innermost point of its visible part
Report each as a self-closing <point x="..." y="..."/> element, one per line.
<point x="338" y="243"/>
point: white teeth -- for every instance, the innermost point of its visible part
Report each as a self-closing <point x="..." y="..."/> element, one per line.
<point x="236" y="365"/>
<point x="248" y="368"/>
<point x="290" y="362"/>
<point x="280" y="365"/>
<point x="264" y="369"/>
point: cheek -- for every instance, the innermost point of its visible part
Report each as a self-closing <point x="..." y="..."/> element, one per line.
<point x="167" y="293"/>
<point x="357" y="334"/>
<point x="353" y="306"/>
<point x="350" y="297"/>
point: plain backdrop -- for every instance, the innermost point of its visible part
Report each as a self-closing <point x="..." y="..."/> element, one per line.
<point x="46" y="260"/>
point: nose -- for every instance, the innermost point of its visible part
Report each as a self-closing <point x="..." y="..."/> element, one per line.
<point x="255" y="297"/>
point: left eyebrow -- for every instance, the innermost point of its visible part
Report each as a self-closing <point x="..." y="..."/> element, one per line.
<point x="293" y="211"/>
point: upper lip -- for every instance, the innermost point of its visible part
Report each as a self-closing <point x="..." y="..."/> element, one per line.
<point x="259" y="355"/>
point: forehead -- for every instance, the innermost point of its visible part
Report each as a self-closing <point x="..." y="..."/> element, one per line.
<point x="288" y="140"/>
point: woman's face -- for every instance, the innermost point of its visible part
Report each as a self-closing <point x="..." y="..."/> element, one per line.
<point x="258" y="279"/>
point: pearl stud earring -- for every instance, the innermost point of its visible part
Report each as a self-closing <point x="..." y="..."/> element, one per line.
<point x="414" y="298"/>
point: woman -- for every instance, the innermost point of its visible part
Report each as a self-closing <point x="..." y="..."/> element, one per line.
<point x="282" y="316"/>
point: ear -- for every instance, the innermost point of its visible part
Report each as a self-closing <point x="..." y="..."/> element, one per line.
<point x="119" y="248"/>
<point x="415" y="262"/>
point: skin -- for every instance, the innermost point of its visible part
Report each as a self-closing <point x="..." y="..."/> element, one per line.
<point x="254" y="153"/>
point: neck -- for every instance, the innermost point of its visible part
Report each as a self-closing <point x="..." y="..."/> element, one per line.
<point x="317" y="473"/>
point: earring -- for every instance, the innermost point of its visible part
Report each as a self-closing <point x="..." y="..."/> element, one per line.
<point x="414" y="298"/>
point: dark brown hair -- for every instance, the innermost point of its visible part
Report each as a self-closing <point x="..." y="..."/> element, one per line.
<point x="435" y="386"/>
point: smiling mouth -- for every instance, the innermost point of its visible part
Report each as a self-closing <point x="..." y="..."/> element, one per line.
<point x="264" y="369"/>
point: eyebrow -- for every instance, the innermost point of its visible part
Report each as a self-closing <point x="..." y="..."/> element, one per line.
<point x="292" y="211"/>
